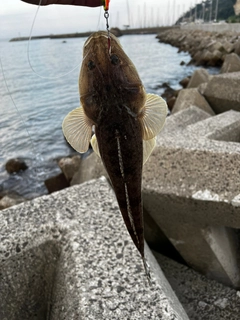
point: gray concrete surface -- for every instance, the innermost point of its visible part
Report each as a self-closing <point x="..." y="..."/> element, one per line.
<point x="231" y="63"/>
<point x="69" y="256"/>
<point x="192" y="190"/>
<point x="191" y="97"/>
<point x="203" y="299"/>
<point x="222" y="92"/>
<point x="91" y="167"/>
<point x="198" y="77"/>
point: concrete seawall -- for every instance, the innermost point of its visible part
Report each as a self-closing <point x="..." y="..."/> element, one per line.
<point x="217" y="27"/>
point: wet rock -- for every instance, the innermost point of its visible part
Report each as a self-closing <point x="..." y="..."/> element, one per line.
<point x="199" y="76"/>
<point x="15" y="165"/>
<point x="169" y="92"/>
<point x="171" y="102"/>
<point x="69" y="166"/>
<point x="191" y="97"/>
<point x="182" y="63"/>
<point x="56" y="183"/>
<point x="231" y="63"/>
<point x="184" y="82"/>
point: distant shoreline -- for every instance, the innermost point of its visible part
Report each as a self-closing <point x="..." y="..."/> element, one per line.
<point x="116" y="31"/>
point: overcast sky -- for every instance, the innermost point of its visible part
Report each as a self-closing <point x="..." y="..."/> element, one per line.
<point x="16" y="17"/>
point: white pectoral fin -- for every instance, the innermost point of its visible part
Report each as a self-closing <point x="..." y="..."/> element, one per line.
<point x="153" y="116"/>
<point x="94" y="144"/>
<point x="77" y="129"/>
<point x="148" y="146"/>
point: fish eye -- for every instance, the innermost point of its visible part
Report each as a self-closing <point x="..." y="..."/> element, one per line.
<point x="114" y="59"/>
<point x="91" y="65"/>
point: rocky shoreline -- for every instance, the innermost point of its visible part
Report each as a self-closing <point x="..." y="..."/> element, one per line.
<point x="213" y="94"/>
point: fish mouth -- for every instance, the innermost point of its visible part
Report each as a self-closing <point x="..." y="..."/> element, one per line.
<point x="95" y="36"/>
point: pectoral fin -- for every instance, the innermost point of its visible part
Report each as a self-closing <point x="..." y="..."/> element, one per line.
<point x="153" y="116"/>
<point x="94" y="144"/>
<point x="148" y="146"/>
<point x="77" y="129"/>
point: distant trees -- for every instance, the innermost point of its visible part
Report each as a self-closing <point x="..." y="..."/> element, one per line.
<point x="209" y="10"/>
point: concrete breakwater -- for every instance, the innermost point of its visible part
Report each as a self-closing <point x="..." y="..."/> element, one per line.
<point x="116" y="31"/>
<point x="206" y="48"/>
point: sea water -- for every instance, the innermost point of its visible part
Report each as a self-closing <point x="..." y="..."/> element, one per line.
<point x="34" y="103"/>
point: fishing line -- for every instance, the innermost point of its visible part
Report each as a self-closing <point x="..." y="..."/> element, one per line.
<point x="28" y="52"/>
<point x="99" y="18"/>
<point x="21" y="119"/>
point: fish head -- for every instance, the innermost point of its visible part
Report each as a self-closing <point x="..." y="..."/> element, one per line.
<point x="108" y="77"/>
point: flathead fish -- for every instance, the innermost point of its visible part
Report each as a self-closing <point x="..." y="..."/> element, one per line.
<point x="126" y="121"/>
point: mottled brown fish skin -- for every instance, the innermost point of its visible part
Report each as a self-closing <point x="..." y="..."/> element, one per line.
<point x="120" y="148"/>
<point x="112" y="95"/>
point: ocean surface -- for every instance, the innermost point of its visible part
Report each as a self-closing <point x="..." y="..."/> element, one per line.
<point x="39" y="86"/>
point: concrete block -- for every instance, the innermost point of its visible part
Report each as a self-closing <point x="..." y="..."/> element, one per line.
<point x="228" y="46"/>
<point x="10" y="199"/>
<point x="191" y="97"/>
<point x="69" y="166"/>
<point x="90" y="168"/>
<point x="206" y="57"/>
<point x="231" y="63"/>
<point x="222" y="92"/>
<point x="215" y="45"/>
<point x="192" y="189"/>
<point x="237" y="47"/>
<point x="69" y="256"/>
<point x="201" y="298"/>
<point x="212" y="251"/>
<point x="199" y="76"/>
<point x="202" y="87"/>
